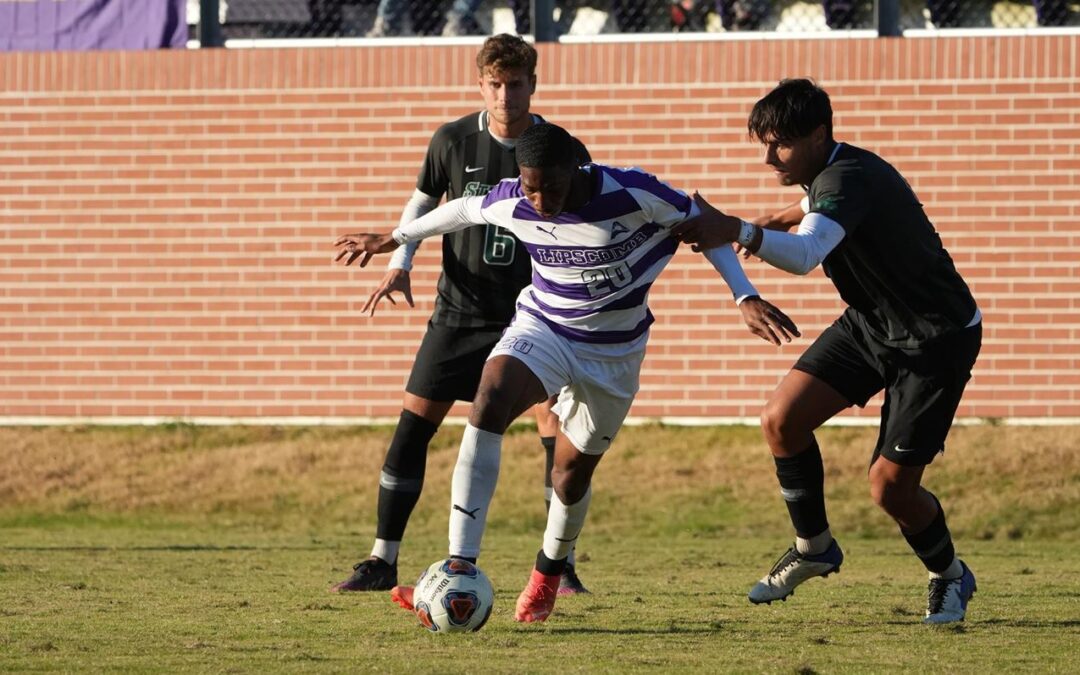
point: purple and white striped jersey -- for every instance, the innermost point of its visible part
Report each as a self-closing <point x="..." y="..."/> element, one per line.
<point x="592" y="268"/>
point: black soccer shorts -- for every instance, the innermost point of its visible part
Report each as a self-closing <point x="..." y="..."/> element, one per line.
<point x="922" y="386"/>
<point x="450" y="361"/>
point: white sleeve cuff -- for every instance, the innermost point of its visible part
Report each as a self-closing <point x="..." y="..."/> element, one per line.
<point x="419" y="204"/>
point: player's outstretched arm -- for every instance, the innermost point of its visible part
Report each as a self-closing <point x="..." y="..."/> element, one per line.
<point x="762" y="318"/>
<point x="363" y="245"/>
<point x="710" y="228"/>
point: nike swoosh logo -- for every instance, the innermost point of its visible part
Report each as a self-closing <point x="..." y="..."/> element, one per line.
<point x="471" y="514"/>
<point x="565" y="541"/>
<point x="473" y="169"/>
<point x="899" y="449"/>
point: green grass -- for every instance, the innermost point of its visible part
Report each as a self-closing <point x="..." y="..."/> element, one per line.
<point x="188" y="549"/>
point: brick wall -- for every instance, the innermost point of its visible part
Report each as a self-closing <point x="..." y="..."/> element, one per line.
<point x="166" y="218"/>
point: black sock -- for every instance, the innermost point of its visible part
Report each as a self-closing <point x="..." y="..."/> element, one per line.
<point x="549" y="462"/>
<point x="402" y="476"/>
<point x="802" y="485"/>
<point x="934" y="544"/>
<point x="549" y="567"/>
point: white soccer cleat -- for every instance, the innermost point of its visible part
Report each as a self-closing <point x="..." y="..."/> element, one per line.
<point x="792" y="569"/>
<point x="948" y="598"/>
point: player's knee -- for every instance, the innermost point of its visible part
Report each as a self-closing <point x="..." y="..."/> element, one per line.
<point x="407" y="454"/>
<point x="568" y="484"/>
<point x="776" y="424"/>
<point x="491" y="408"/>
<point x="892" y="497"/>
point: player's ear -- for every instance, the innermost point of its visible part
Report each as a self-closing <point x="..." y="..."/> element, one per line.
<point x="532" y="83"/>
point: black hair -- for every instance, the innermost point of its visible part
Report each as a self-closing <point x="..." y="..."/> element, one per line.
<point x="544" y="146"/>
<point x="792" y="110"/>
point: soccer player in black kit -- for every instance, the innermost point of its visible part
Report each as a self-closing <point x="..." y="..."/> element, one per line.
<point x="484" y="269"/>
<point x="911" y="328"/>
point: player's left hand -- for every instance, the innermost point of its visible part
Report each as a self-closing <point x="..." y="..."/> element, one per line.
<point x="767" y="322"/>
<point x="711" y="228"/>
<point x="352" y="246"/>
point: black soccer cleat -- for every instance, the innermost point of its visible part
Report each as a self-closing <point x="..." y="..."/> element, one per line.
<point x="569" y="583"/>
<point x="373" y="574"/>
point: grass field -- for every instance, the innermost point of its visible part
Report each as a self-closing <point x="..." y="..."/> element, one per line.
<point x="211" y="549"/>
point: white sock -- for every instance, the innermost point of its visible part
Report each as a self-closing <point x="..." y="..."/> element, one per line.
<point x="814" y="545"/>
<point x="386" y="550"/>
<point x="475" y="475"/>
<point x="564" y="525"/>
<point x="953" y="571"/>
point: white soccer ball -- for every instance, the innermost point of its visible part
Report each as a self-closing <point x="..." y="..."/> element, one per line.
<point x="453" y="596"/>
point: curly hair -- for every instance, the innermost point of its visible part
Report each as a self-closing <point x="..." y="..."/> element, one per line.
<point x="506" y="52"/>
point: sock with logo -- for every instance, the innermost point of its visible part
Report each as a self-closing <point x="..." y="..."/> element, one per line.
<point x="400" y="482"/>
<point x="934" y="546"/>
<point x="802" y="485"/>
<point x="564" y="525"/>
<point x="549" y="463"/>
<point x="473" y="485"/>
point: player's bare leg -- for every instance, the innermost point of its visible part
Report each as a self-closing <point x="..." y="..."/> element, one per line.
<point x="800" y="404"/>
<point x="571" y="478"/>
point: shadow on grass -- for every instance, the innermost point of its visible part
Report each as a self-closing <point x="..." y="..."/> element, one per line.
<point x="184" y="548"/>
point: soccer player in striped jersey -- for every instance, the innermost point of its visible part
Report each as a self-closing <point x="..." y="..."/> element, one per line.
<point x="598" y="238"/>
<point x="911" y="328"/>
<point x="484" y="268"/>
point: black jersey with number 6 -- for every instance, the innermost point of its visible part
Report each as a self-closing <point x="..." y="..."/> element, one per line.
<point x="484" y="267"/>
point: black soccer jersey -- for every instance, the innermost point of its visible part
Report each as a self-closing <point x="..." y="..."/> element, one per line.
<point x="891" y="266"/>
<point x="484" y="267"/>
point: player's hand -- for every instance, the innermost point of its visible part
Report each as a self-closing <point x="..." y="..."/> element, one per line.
<point x="711" y="228"/>
<point x="393" y="281"/>
<point x="767" y="322"/>
<point x="353" y="246"/>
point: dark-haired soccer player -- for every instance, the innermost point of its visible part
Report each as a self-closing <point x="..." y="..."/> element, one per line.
<point x="483" y="271"/>
<point x="911" y="328"/>
<point x="598" y="238"/>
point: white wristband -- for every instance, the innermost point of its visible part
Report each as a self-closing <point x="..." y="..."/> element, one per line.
<point x="746" y="233"/>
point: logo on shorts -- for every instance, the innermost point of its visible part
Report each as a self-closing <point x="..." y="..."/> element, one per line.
<point x="517" y="344"/>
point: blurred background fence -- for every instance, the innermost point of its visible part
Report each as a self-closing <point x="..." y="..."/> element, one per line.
<point x="270" y="19"/>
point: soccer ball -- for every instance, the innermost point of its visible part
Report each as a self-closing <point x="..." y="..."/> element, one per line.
<point x="453" y="596"/>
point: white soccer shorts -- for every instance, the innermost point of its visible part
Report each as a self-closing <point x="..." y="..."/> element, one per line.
<point x="594" y="394"/>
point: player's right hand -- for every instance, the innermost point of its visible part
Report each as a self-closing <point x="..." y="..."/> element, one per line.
<point x="393" y="281"/>
<point x="362" y="244"/>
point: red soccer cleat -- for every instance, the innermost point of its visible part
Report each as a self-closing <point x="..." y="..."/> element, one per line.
<point x="402" y="595"/>
<point x="538" y="599"/>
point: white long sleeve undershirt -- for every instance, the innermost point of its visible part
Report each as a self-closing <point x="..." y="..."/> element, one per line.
<point x="727" y="264"/>
<point x="801" y="251"/>
<point x="452" y="216"/>
<point x="419" y="204"/>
